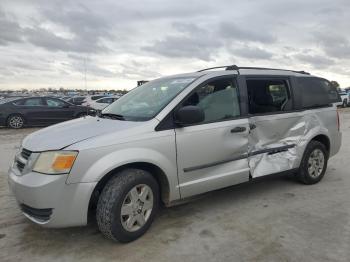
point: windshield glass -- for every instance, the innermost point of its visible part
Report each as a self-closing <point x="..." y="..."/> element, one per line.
<point x="146" y="101"/>
<point x="5" y="100"/>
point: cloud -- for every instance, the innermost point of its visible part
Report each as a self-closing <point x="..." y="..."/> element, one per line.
<point x="10" y="31"/>
<point x="192" y="42"/>
<point x="334" y="44"/>
<point x="231" y="31"/>
<point x="254" y="53"/>
<point x="45" y="42"/>
<point x="46" y="39"/>
<point x="317" y="61"/>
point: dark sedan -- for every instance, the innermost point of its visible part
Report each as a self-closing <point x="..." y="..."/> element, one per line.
<point x="38" y="111"/>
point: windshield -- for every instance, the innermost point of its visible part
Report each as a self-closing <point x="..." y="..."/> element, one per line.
<point x="5" y="100"/>
<point x="146" y="101"/>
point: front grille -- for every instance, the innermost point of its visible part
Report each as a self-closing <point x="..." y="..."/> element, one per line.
<point x="20" y="165"/>
<point x="26" y="153"/>
<point x="22" y="161"/>
<point x="43" y="214"/>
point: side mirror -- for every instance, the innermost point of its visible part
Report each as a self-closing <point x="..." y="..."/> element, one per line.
<point x="188" y="115"/>
<point x="65" y="106"/>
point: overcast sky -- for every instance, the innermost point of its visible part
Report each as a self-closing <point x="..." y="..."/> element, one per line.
<point x="46" y="43"/>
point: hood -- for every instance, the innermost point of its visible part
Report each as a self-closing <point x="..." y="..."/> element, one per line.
<point x="70" y="132"/>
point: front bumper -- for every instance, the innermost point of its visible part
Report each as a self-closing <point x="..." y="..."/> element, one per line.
<point x="47" y="199"/>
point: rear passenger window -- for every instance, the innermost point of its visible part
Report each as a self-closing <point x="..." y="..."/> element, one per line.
<point x="317" y="92"/>
<point x="268" y="96"/>
<point x="218" y="99"/>
<point x="33" y="102"/>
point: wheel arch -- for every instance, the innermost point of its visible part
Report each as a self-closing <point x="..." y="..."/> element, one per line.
<point x="153" y="169"/>
<point x="324" y="140"/>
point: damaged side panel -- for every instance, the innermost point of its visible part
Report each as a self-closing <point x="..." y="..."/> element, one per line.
<point x="278" y="142"/>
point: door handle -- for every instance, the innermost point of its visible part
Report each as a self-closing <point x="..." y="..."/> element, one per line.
<point x="238" y="129"/>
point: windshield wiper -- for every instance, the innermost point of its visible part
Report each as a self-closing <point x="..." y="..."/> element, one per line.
<point x="112" y="116"/>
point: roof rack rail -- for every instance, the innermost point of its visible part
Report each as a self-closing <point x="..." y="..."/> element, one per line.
<point x="217" y="67"/>
<point x="277" y="69"/>
<point x="237" y="68"/>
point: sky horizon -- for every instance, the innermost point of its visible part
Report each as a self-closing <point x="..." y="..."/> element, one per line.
<point x="53" y="43"/>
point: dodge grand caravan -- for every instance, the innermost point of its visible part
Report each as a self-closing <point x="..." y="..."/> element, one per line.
<point x="173" y="138"/>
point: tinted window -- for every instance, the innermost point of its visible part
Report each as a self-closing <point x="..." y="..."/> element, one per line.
<point x="317" y="92"/>
<point x="105" y="100"/>
<point x="78" y="99"/>
<point x="54" y="102"/>
<point x="30" y="102"/>
<point x="96" y="97"/>
<point x="268" y="96"/>
<point x="218" y="99"/>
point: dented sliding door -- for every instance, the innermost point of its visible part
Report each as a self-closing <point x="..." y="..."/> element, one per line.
<point x="274" y="141"/>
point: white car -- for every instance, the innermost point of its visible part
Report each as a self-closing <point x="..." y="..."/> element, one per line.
<point x="103" y="102"/>
<point x="89" y="99"/>
<point x="344" y="99"/>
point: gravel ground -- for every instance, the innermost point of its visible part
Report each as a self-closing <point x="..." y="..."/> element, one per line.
<point x="270" y="219"/>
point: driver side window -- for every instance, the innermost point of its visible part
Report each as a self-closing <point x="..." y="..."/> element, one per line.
<point x="218" y="99"/>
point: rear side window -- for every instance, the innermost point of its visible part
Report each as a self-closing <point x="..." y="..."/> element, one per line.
<point x="268" y="96"/>
<point x="317" y="92"/>
<point x="30" y="102"/>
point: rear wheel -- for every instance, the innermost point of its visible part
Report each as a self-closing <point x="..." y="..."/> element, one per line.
<point x="15" y="121"/>
<point x="314" y="163"/>
<point x="345" y="103"/>
<point x="127" y="205"/>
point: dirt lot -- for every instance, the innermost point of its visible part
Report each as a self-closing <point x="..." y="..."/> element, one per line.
<point x="272" y="219"/>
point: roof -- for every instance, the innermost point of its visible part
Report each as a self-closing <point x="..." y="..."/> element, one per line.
<point x="255" y="70"/>
<point x="229" y="70"/>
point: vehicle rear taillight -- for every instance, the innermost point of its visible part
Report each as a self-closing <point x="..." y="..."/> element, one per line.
<point x="338" y="121"/>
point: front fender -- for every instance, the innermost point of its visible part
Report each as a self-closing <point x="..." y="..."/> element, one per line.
<point x="108" y="162"/>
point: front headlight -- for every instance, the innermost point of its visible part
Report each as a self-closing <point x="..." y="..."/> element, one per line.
<point x="55" y="162"/>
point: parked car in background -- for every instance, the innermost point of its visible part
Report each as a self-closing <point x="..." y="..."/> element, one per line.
<point x="76" y="100"/>
<point x="103" y="102"/>
<point x="344" y="99"/>
<point x="38" y="111"/>
<point x="65" y="98"/>
<point x="89" y="99"/>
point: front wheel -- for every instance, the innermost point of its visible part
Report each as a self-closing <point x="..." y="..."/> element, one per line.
<point x="127" y="205"/>
<point x="15" y="121"/>
<point x="314" y="163"/>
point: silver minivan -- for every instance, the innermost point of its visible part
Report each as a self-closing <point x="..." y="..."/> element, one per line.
<point x="173" y="138"/>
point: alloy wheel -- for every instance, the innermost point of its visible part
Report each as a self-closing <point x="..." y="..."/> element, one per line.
<point x="16" y="122"/>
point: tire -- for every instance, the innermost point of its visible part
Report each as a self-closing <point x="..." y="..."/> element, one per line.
<point x="15" y="121"/>
<point x="345" y="103"/>
<point x="117" y="194"/>
<point x="311" y="171"/>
